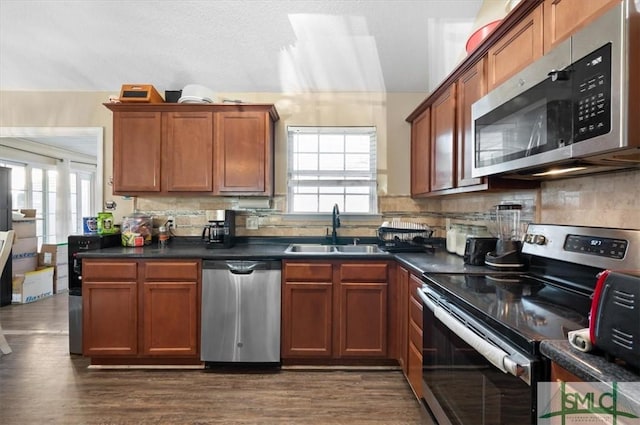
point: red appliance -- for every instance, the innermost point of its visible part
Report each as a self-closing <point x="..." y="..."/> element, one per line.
<point x="614" y="323"/>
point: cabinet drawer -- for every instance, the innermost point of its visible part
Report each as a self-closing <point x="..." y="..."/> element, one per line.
<point x="171" y="270"/>
<point x="415" y="335"/>
<point x="363" y="272"/>
<point x="415" y="312"/>
<point x="310" y="272"/>
<point x="112" y="270"/>
<point x="415" y="283"/>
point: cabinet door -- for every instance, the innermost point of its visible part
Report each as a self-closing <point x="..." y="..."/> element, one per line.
<point x="188" y="152"/>
<point x="443" y="121"/>
<point x="564" y="17"/>
<point x="109" y="318"/>
<point x="306" y="319"/>
<point x="243" y="153"/>
<point x="137" y="139"/>
<point x="170" y="318"/>
<point x="415" y="370"/>
<point x="363" y="319"/>
<point x="472" y="85"/>
<point x="420" y="154"/>
<point x="516" y="49"/>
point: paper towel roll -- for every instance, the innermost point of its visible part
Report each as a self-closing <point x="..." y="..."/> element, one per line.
<point x="580" y="340"/>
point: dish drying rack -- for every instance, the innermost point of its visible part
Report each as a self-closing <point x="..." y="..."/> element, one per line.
<point x="405" y="236"/>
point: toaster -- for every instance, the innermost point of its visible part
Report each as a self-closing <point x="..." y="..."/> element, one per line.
<point x="476" y="248"/>
<point x="614" y="322"/>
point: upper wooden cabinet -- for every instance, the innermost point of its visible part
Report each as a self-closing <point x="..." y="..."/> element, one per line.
<point x="244" y="153"/>
<point x="171" y="148"/>
<point x="188" y="152"/>
<point x="517" y="49"/>
<point x="420" y="153"/>
<point x="564" y="17"/>
<point x="137" y="140"/>
<point x="471" y="86"/>
<point x="443" y="138"/>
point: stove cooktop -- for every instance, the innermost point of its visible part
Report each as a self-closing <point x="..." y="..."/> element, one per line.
<point x="522" y="308"/>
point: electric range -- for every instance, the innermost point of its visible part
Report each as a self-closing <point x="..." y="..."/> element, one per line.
<point x="481" y="332"/>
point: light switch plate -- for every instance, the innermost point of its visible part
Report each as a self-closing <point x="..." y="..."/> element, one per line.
<point x="252" y="223"/>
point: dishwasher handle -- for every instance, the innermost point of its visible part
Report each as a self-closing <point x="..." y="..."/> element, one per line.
<point x="242" y="267"/>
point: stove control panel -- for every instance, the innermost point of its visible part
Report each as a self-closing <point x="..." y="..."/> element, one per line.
<point x="599" y="247"/>
<point x="604" y="247"/>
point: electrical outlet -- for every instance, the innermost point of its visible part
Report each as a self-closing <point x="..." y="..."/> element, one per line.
<point x="252" y="222"/>
<point x="171" y="222"/>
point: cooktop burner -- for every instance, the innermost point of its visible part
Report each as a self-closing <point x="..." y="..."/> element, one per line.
<point x="525" y="309"/>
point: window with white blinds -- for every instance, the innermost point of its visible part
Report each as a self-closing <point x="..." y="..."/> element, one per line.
<point x="332" y="165"/>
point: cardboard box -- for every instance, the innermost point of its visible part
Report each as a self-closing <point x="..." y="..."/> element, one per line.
<point x="24" y="247"/>
<point x="60" y="277"/>
<point x="28" y="213"/>
<point x="25" y="228"/>
<point x="32" y="286"/>
<point x="61" y="285"/>
<point x="24" y="264"/>
<point x="53" y="254"/>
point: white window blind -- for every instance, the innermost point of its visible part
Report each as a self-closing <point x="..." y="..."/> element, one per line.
<point x="332" y="165"/>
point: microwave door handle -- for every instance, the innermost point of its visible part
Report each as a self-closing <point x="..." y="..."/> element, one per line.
<point x="536" y="135"/>
<point x="493" y="354"/>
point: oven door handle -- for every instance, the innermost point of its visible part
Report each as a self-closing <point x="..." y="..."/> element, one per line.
<point x="493" y="354"/>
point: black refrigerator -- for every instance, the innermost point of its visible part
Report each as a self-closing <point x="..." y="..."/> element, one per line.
<point x="5" y="224"/>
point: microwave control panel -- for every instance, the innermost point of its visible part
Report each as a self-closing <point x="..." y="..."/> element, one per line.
<point x="592" y="94"/>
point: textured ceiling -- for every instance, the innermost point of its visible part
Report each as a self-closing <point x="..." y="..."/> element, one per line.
<point x="232" y="45"/>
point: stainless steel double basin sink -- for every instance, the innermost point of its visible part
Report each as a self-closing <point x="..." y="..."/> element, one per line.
<point x="333" y="249"/>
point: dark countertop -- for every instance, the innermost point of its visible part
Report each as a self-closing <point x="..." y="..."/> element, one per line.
<point x="593" y="367"/>
<point x="439" y="261"/>
<point x="587" y="366"/>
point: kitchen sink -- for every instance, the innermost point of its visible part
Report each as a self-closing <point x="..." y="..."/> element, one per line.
<point x="333" y="249"/>
<point x="359" y="249"/>
<point x="310" y="249"/>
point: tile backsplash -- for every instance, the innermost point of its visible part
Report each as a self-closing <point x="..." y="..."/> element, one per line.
<point x="611" y="200"/>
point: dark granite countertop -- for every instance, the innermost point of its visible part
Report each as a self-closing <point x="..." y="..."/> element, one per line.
<point x="593" y="367"/>
<point x="587" y="366"/>
<point x="439" y="261"/>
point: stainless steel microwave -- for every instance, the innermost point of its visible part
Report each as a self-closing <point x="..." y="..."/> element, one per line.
<point x="576" y="110"/>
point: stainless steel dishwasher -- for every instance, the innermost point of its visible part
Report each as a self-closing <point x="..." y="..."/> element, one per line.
<point x="241" y="311"/>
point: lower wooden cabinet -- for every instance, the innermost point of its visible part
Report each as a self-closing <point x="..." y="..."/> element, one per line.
<point x="560" y="374"/>
<point x="307" y="311"/>
<point x="141" y="308"/>
<point x="335" y="309"/>
<point x="110" y="318"/>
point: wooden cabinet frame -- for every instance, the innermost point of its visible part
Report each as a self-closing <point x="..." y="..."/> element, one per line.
<point x="141" y="311"/>
<point x="170" y="149"/>
<point x="338" y="310"/>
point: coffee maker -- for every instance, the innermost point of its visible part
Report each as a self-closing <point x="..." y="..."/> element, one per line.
<point x="508" y="228"/>
<point x="220" y="231"/>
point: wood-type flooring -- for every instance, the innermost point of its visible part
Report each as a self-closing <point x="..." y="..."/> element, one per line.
<point x="41" y="383"/>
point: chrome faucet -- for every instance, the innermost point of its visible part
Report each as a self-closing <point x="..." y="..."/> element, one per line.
<point x="335" y="223"/>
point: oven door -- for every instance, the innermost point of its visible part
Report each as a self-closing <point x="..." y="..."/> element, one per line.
<point x="470" y="375"/>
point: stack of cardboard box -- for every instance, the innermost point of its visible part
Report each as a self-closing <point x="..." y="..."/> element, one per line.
<point x="56" y="256"/>
<point x="29" y="282"/>
<point x="24" y="257"/>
